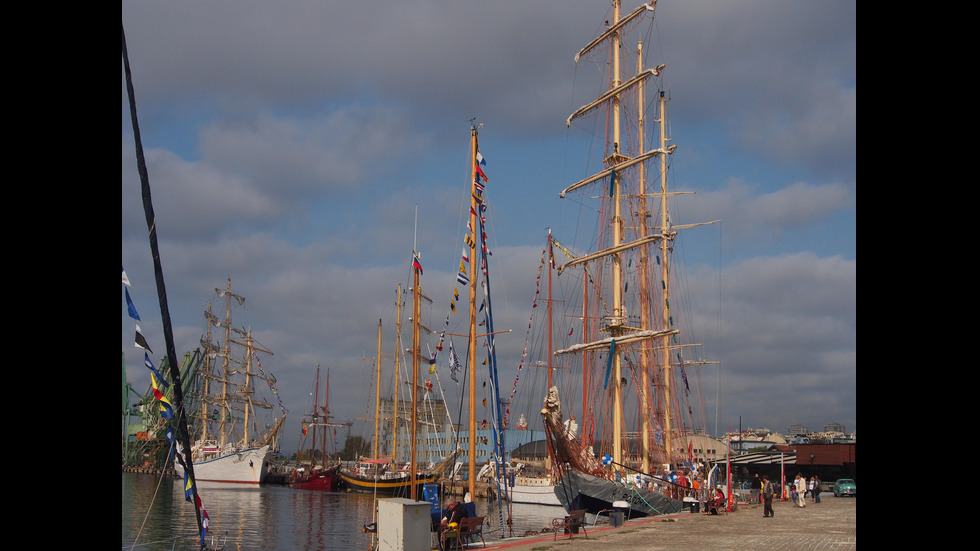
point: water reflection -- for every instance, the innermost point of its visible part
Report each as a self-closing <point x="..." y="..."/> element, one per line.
<point x="273" y="517"/>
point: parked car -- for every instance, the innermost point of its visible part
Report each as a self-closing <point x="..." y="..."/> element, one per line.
<point x="845" y="487"/>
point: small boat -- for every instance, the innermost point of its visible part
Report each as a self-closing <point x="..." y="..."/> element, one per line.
<point x="534" y="490"/>
<point x="320" y="477"/>
<point x="379" y="475"/>
<point x="228" y="450"/>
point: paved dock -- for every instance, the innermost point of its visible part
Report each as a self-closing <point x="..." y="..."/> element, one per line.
<point x="830" y="525"/>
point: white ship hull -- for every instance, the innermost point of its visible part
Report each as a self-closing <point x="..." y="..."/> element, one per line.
<point x="536" y="491"/>
<point x="248" y="466"/>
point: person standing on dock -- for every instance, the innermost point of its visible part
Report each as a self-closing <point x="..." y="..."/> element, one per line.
<point x="767" y="492"/>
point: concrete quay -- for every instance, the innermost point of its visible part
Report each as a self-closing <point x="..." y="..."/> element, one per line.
<point x="830" y="525"/>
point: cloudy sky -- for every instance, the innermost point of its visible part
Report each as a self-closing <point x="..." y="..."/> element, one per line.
<point x="303" y="149"/>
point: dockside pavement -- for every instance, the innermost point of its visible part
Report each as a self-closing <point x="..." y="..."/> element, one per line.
<point x="830" y="525"/>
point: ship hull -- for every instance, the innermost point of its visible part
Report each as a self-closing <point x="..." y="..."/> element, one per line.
<point x="326" y="481"/>
<point x="577" y="490"/>
<point x="245" y="467"/>
<point x="396" y="487"/>
<point x="535" y="491"/>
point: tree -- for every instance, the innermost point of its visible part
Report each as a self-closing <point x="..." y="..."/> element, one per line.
<point x="354" y="447"/>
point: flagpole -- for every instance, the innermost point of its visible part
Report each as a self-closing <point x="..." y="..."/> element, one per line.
<point x="415" y="373"/>
<point x="471" y="473"/>
<point x="161" y="287"/>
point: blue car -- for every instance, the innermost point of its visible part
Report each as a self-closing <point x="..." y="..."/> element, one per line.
<point x="845" y="487"/>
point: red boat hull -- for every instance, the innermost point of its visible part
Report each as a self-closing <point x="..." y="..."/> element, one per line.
<point x="322" y="481"/>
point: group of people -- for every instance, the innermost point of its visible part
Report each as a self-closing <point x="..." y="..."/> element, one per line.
<point x="763" y="491"/>
<point x="800" y="487"/>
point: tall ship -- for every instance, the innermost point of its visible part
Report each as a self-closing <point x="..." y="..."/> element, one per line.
<point x="639" y="392"/>
<point x="383" y="475"/>
<point x="234" y="441"/>
<point x="316" y="475"/>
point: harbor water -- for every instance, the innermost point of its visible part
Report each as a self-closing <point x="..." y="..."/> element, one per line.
<point x="155" y="516"/>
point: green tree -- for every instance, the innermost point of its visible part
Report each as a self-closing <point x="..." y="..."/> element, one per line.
<point x="354" y="447"/>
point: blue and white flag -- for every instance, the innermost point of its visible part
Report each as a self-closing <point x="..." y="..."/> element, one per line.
<point x="149" y="365"/>
<point x="132" y="307"/>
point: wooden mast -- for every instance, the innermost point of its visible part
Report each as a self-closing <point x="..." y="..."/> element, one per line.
<point x="616" y="226"/>
<point x="415" y="375"/>
<point x="205" y="396"/>
<point x="474" y="207"/>
<point x="396" y="398"/>
<point x="377" y="400"/>
<point x="316" y="405"/>
<point x="250" y="350"/>
<point x="551" y="264"/>
<point x="225" y="411"/>
<point x="326" y="398"/>
<point x="248" y="382"/>
<point x="664" y="273"/>
<point x="585" y="357"/>
<point x="645" y="355"/>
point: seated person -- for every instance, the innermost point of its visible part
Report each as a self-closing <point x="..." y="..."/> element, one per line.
<point x="718" y="501"/>
<point x="455" y="512"/>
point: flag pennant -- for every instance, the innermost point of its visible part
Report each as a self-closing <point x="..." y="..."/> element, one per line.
<point x="416" y="264"/>
<point x="479" y="171"/>
<point x="454" y="365"/>
<point x="125" y="279"/>
<point x="480" y="159"/>
<point x="204" y="526"/>
<point x="189" y="489"/>
<point x="149" y="365"/>
<point x="132" y="307"/>
<point x="166" y="410"/>
<point x="156" y="389"/>
<point x="140" y="341"/>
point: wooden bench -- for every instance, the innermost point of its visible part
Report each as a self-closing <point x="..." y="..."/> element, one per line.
<point x="469" y="528"/>
<point x="570" y="523"/>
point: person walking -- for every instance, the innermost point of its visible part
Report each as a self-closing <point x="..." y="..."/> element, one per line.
<point x="767" y="498"/>
<point x="800" y="491"/>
